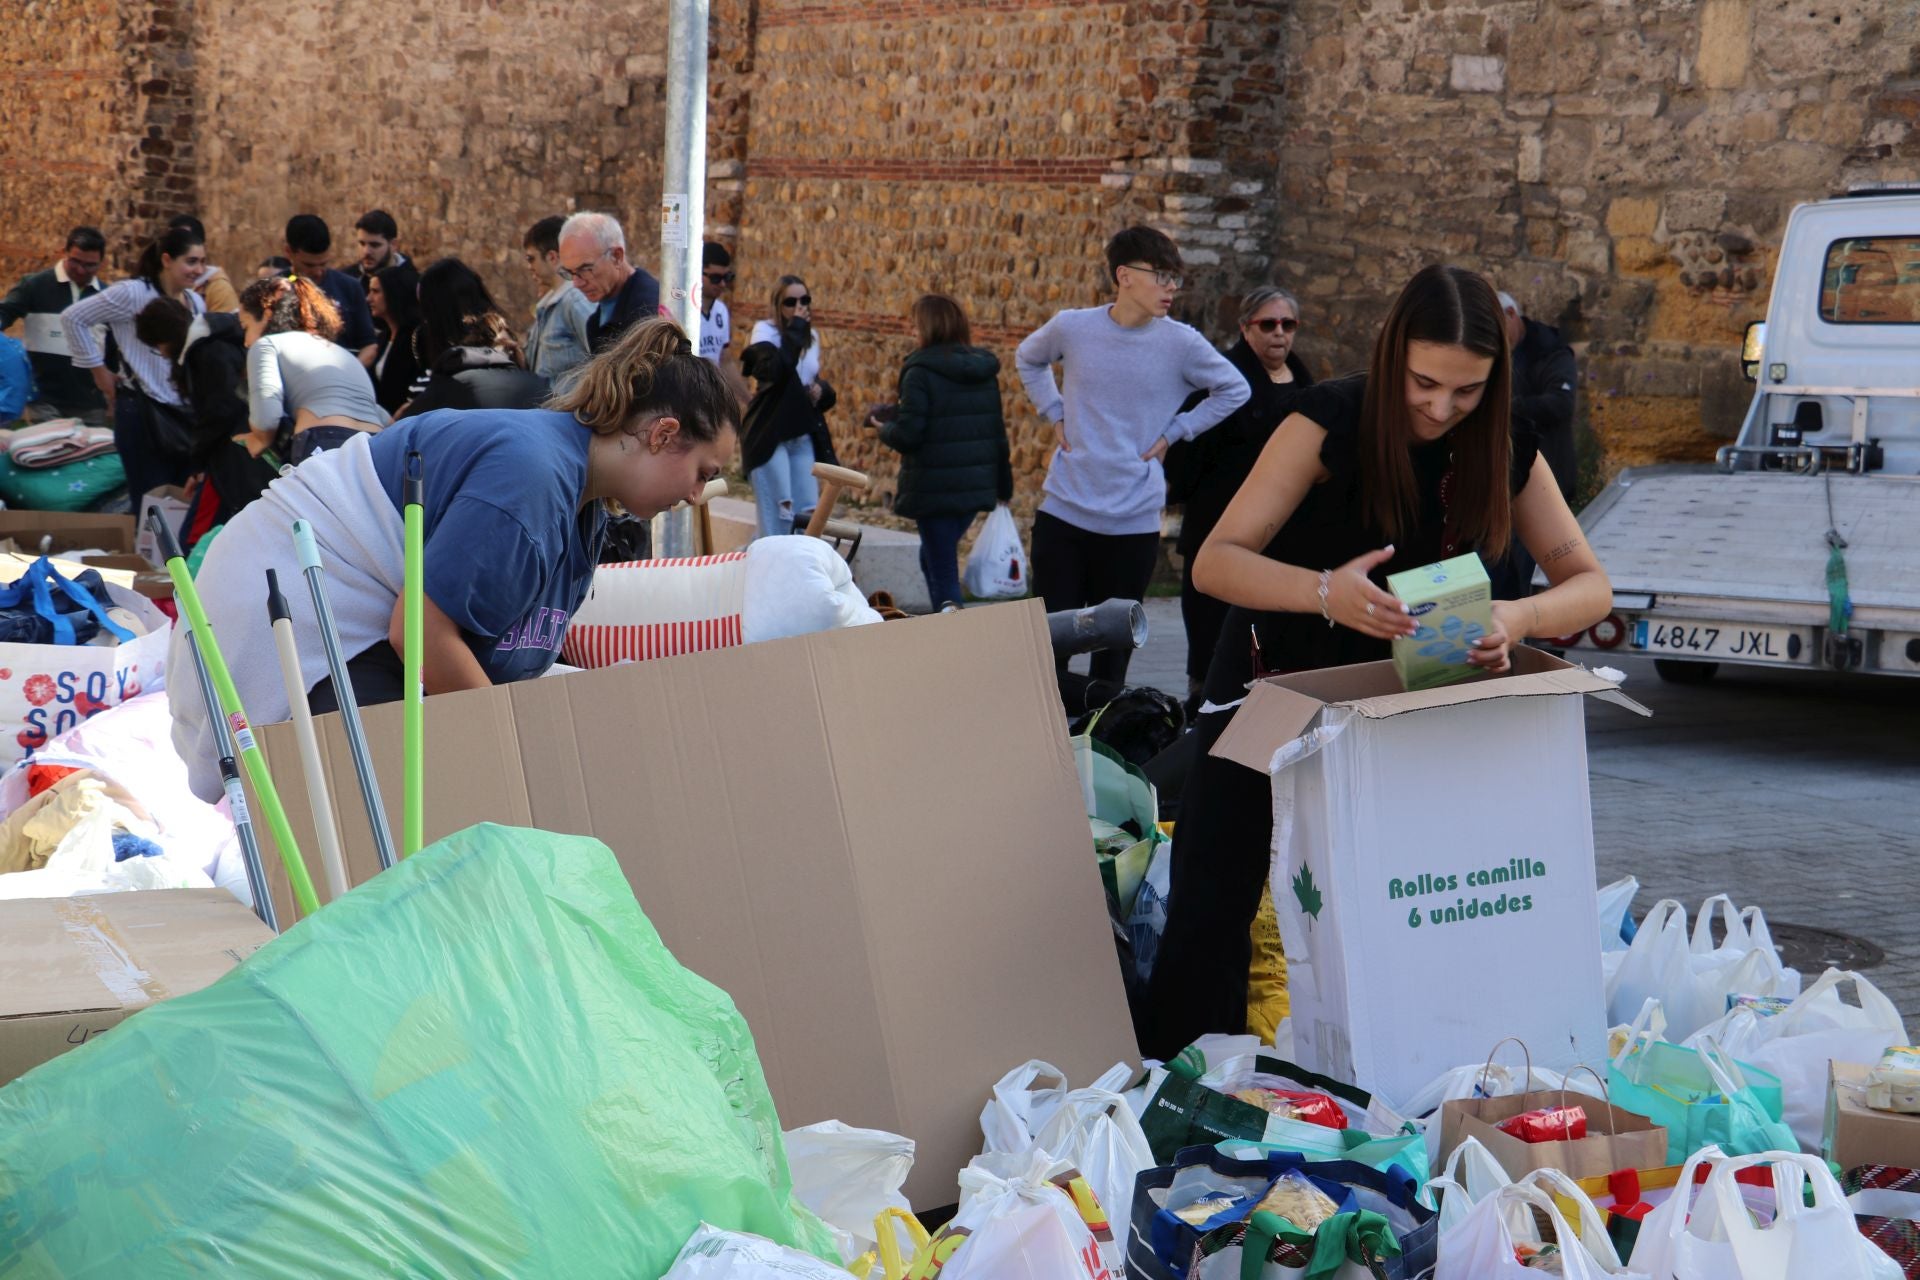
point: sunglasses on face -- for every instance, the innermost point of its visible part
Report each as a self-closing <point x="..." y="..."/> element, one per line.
<point x="804" y="300"/>
<point x="719" y="277"/>
<point x="1269" y="325"/>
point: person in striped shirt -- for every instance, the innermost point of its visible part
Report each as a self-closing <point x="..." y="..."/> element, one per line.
<point x="144" y="405"/>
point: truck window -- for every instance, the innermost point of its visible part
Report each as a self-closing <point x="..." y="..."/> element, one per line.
<point x="1871" y="280"/>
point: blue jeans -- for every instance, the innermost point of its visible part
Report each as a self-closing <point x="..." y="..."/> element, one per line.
<point x="940" y="556"/>
<point x="784" y="490"/>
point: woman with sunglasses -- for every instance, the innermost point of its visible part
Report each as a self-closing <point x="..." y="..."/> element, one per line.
<point x="785" y="430"/>
<point x="1414" y="461"/>
<point x="1203" y="474"/>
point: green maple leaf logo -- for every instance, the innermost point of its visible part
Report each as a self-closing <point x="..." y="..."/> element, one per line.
<point x="1307" y="893"/>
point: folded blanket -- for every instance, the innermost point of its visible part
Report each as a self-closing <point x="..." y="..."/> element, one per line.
<point x="60" y="441"/>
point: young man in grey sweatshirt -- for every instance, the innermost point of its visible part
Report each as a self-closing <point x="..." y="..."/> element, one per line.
<point x="1128" y="370"/>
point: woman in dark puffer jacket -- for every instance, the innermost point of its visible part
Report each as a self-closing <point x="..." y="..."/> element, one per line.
<point x="955" y="461"/>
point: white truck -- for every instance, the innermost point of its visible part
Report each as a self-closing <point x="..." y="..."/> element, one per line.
<point x="1800" y="546"/>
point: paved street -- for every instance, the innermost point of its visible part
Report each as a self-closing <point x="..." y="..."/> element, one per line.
<point x="1800" y="794"/>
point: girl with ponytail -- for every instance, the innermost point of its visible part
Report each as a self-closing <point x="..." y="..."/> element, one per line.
<point x="298" y="377"/>
<point x="516" y="511"/>
<point x="151" y="429"/>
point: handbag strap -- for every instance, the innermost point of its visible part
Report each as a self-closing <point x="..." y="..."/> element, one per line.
<point x="37" y="584"/>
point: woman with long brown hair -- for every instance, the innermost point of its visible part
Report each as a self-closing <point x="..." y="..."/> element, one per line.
<point x="298" y="377"/>
<point x="515" y="509"/>
<point x="1414" y="461"/>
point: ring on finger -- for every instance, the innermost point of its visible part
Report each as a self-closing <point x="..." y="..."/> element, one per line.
<point x="1369" y="610"/>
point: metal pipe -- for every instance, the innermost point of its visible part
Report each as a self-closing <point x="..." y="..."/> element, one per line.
<point x="1114" y="624"/>
<point x="683" y="210"/>
<point x="236" y="794"/>
<point x="308" y="551"/>
<point x="414" y="637"/>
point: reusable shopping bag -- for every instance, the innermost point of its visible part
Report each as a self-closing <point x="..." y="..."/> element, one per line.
<point x="1797" y="1043"/>
<point x="1700" y="1096"/>
<point x="1484" y="1245"/>
<point x="1886" y="1207"/>
<point x="997" y="565"/>
<point x="483" y="1061"/>
<point x="1719" y="1238"/>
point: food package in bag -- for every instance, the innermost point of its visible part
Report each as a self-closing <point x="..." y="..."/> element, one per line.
<point x="1894" y="1084"/>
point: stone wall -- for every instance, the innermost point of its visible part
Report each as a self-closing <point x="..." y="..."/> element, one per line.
<point x="96" y="125"/>
<point x="988" y="150"/>
<point x="1625" y="170"/>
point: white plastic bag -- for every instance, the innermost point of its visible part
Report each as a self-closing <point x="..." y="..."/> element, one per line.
<point x="997" y="565"/>
<point x="1471" y="1175"/>
<point x="850" y="1177"/>
<point x="1616" y="900"/>
<point x="1023" y="1101"/>
<point x="1797" y="1043"/>
<point x="1098" y="1133"/>
<point x="1720" y="1240"/>
<point x="1481" y="1246"/>
<point x="1690" y="976"/>
<point x="1148" y="919"/>
<point x="1025" y="1227"/>
<point x="713" y="1254"/>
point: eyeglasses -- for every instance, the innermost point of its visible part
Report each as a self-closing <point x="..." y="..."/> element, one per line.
<point x="585" y="269"/>
<point x="1165" y="279"/>
<point x="718" y="277"/>
<point x="1269" y="325"/>
<point x="804" y="300"/>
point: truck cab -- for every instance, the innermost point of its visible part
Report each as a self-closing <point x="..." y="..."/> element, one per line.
<point x="1800" y="547"/>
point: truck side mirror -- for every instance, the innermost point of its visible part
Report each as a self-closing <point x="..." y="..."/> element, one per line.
<point x="1751" y="349"/>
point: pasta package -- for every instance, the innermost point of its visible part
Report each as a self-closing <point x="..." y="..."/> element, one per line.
<point x="1298" y="1201"/>
<point x="1314" y="1108"/>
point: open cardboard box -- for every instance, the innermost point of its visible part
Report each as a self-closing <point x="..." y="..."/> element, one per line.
<point x="79" y="966"/>
<point x="872" y="839"/>
<point x="67" y="531"/>
<point x="1433" y="865"/>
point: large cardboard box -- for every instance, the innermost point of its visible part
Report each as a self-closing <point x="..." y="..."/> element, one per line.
<point x="75" y="967"/>
<point x="67" y="531"/>
<point x="1432" y="866"/>
<point x="872" y="839"/>
<point x="1856" y="1134"/>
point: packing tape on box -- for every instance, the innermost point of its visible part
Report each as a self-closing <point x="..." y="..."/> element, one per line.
<point x="112" y="959"/>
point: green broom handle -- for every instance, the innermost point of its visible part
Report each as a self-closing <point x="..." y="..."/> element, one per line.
<point x="255" y="763"/>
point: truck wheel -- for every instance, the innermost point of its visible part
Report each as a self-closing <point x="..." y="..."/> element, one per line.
<point x="1675" y="672"/>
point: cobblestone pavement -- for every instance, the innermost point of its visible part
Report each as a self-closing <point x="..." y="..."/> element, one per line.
<point x="1797" y="793"/>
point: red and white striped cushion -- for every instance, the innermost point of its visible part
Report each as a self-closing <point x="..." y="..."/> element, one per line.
<point x="658" y="608"/>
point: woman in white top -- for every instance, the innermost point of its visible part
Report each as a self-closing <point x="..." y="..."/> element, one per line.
<point x="296" y="371"/>
<point x="785" y="430"/>
<point x="151" y="429"/>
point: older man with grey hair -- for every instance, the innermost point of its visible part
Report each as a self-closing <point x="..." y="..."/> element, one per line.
<point x="593" y="254"/>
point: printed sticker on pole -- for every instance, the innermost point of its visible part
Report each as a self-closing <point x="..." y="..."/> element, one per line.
<point x="673" y="221"/>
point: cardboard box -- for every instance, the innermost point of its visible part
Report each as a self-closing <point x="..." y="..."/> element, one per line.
<point x="171" y="501"/>
<point x="66" y="531"/>
<point x="872" y="839"/>
<point x="1856" y="1134"/>
<point x="141" y="576"/>
<point x="1433" y="866"/>
<point x="1453" y="603"/>
<point x="79" y="966"/>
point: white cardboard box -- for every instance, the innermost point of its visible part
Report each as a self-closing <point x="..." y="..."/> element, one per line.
<point x="1432" y="865"/>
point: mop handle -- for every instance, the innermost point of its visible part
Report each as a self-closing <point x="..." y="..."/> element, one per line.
<point x="413" y="629"/>
<point x="332" y="860"/>
<point x="208" y="647"/>
<point x="236" y="796"/>
<point x="308" y="551"/>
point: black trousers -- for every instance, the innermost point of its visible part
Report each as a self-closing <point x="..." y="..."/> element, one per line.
<point x="377" y="675"/>
<point x="1221" y="853"/>
<point x="1203" y="616"/>
<point x="1073" y="568"/>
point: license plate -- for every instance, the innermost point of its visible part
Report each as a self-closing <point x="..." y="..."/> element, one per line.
<point x="1721" y="640"/>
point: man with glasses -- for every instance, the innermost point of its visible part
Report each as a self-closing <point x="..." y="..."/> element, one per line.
<point x="1129" y="368"/>
<point x="716" y="326"/>
<point x="593" y="255"/>
<point x="558" y="342"/>
<point x="38" y="300"/>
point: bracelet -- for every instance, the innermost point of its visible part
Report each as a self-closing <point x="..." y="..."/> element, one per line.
<point x="1326" y="577"/>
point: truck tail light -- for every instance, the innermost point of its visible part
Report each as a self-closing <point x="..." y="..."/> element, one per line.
<point x="1609" y="633"/>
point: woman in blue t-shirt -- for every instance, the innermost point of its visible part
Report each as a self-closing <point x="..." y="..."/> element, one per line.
<point x="515" y="513"/>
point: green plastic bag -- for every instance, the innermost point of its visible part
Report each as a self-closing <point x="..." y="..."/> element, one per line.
<point x="198" y="556"/>
<point x="1700" y="1096"/>
<point x="72" y="486"/>
<point x="482" y="1062"/>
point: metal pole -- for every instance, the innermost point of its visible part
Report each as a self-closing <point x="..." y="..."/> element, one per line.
<point x="683" y="210"/>
<point x="413" y="622"/>
<point x="308" y="551"/>
<point x="236" y="795"/>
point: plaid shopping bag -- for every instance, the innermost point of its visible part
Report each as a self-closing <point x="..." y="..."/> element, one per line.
<point x="1886" y="1204"/>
